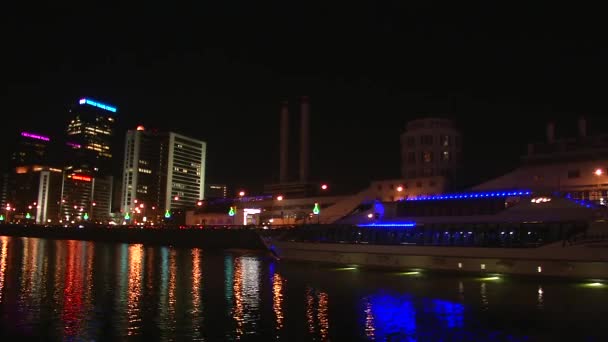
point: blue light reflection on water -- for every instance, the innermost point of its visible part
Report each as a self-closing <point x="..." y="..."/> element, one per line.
<point x="94" y="291"/>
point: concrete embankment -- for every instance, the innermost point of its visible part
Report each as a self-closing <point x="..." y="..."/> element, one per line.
<point x="208" y="238"/>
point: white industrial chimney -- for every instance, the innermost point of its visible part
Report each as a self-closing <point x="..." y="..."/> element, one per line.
<point x="284" y="143"/>
<point x="304" y="139"/>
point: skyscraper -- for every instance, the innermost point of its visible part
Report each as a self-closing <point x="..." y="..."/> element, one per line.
<point x="185" y="172"/>
<point x="142" y="170"/>
<point x="87" y="181"/>
<point x="89" y="136"/>
<point x="163" y="172"/>
<point x="32" y="149"/>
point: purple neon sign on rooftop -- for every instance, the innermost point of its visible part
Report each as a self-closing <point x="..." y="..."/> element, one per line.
<point x="34" y="136"/>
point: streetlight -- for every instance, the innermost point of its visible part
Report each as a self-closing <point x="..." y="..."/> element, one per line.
<point x="280" y="198"/>
<point x="598" y="172"/>
<point x="324" y="186"/>
<point x="241" y="193"/>
<point x="399" y="188"/>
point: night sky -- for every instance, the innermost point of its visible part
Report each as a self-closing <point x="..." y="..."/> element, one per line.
<point x="219" y="70"/>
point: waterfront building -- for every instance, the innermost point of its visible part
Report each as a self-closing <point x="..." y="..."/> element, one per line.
<point x="577" y="166"/>
<point x="430" y="147"/>
<point x="85" y="197"/>
<point x="163" y="174"/>
<point x="263" y="210"/>
<point x="213" y="191"/>
<point x="89" y="135"/>
<point x="34" y="195"/>
<point x="31" y="149"/>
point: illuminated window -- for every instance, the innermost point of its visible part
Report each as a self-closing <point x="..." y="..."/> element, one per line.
<point x="427" y="156"/>
<point x="445" y="156"/>
<point x="444" y="140"/>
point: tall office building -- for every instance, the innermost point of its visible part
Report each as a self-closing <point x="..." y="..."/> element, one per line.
<point x="216" y="191"/>
<point x="185" y="172"/>
<point x="31" y="149"/>
<point x="162" y="172"/>
<point x="87" y="181"/>
<point x="90" y="136"/>
<point x="142" y="170"/>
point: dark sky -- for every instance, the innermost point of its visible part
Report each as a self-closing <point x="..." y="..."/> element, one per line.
<point x="218" y="70"/>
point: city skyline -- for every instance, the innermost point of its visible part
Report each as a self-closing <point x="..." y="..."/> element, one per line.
<point x="366" y="77"/>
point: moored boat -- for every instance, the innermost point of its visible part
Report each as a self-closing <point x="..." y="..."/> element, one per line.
<point x="510" y="232"/>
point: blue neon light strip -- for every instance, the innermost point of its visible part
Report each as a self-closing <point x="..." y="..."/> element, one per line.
<point x="396" y="224"/>
<point x="473" y="195"/>
<point x="98" y="105"/>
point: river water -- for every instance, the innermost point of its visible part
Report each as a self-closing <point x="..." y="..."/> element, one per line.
<point x="90" y="291"/>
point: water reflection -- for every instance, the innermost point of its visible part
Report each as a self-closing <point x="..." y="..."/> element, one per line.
<point x="73" y="293"/>
<point x="484" y="296"/>
<point x="539" y="298"/>
<point x="74" y="290"/>
<point x="196" y="293"/>
<point x="136" y="255"/>
<point x="277" y="299"/>
<point x="317" y="313"/>
<point x="246" y="290"/>
<point x="3" y="257"/>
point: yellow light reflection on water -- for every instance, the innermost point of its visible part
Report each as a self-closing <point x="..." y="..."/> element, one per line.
<point x="196" y="291"/>
<point x="135" y="289"/>
<point x="3" y="257"/>
<point x="237" y="313"/>
<point x="277" y="299"/>
<point x="310" y="307"/>
<point x="323" y="315"/>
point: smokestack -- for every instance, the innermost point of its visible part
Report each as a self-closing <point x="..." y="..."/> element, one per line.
<point x="582" y="127"/>
<point x="304" y="139"/>
<point x="284" y="142"/>
<point x="551" y="132"/>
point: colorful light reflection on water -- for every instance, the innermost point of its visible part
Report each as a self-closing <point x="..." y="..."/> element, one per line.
<point x="76" y="290"/>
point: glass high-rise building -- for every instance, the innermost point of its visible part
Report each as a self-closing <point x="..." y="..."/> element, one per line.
<point x="89" y="135"/>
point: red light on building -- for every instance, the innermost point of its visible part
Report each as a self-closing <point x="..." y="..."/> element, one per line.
<point x="140" y="128"/>
<point x="199" y="203"/>
<point x="82" y="178"/>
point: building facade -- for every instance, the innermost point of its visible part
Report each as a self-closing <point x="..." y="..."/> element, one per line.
<point x="163" y="174"/>
<point x="401" y="189"/>
<point x="430" y="147"/>
<point x="185" y="184"/>
<point x="216" y="191"/>
<point x="31" y="149"/>
<point x="142" y="170"/>
<point x="577" y="166"/>
<point x="89" y="135"/>
<point x="34" y="194"/>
